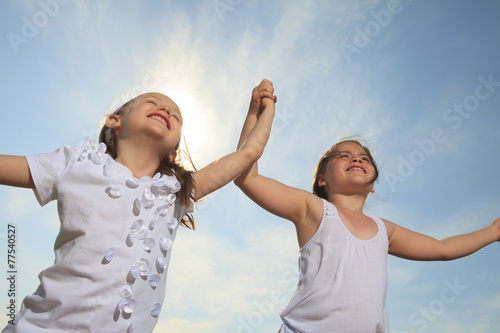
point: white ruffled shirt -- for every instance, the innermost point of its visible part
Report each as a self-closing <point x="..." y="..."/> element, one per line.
<point x="113" y="248"/>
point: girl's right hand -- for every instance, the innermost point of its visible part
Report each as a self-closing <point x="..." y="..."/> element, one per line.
<point x="264" y="90"/>
<point x="265" y="103"/>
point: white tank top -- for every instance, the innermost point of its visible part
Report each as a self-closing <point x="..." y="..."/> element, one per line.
<point x="342" y="281"/>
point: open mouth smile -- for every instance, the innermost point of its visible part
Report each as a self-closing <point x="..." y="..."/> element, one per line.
<point x="356" y="168"/>
<point x="161" y="118"/>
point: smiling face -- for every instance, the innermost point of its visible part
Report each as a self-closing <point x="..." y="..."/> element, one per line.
<point x="151" y="117"/>
<point x="347" y="167"/>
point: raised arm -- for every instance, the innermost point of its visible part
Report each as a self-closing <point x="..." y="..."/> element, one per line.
<point x="225" y="169"/>
<point x="302" y="208"/>
<point x="411" y="245"/>
<point x="14" y="171"/>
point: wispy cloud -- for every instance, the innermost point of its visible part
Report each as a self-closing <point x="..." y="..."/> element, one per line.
<point x="212" y="277"/>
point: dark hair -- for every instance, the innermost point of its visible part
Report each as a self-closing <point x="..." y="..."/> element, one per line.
<point x="166" y="167"/>
<point x="331" y="153"/>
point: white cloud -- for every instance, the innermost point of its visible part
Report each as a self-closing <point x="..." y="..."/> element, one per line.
<point x="401" y="275"/>
<point x="210" y="276"/>
<point x="20" y="202"/>
<point x="475" y="215"/>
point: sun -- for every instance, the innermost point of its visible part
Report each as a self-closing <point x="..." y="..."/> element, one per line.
<point x="194" y="127"/>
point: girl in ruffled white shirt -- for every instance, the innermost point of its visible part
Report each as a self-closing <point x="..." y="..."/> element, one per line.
<point x="120" y="203"/>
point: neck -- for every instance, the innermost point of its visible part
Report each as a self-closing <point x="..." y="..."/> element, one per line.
<point x="350" y="203"/>
<point x="140" y="160"/>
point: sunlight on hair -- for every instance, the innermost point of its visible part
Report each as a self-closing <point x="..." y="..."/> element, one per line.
<point x="194" y="128"/>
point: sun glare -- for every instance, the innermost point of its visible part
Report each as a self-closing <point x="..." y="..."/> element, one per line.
<point x="194" y="128"/>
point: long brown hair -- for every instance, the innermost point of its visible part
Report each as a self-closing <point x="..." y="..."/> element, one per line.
<point x="331" y="153"/>
<point x="185" y="177"/>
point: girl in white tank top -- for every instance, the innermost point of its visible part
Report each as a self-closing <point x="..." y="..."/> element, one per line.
<point x="343" y="253"/>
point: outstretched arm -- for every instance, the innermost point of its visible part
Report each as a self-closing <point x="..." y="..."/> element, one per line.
<point x="411" y="245"/>
<point x="302" y="208"/>
<point x="219" y="173"/>
<point x="14" y="171"/>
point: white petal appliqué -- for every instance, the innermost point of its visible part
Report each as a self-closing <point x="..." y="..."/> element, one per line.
<point x="152" y="223"/>
<point x="83" y="155"/>
<point x="157" y="186"/>
<point x="114" y="191"/>
<point x="143" y="267"/>
<point x="173" y="184"/>
<point x="156" y="309"/>
<point x="166" y="243"/>
<point x="133" y="272"/>
<point x="171" y="199"/>
<point x="161" y="194"/>
<point x="148" y="200"/>
<point x="154" y="280"/>
<point x="132" y="183"/>
<point x="138" y="204"/>
<point x="138" y="231"/>
<point x="148" y="244"/>
<point x="172" y="223"/>
<point x="162" y="262"/>
<point x="126" y="290"/>
<point x="110" y="253"/>
<point x="176" y="187"/>
<point x="93" y="151"/>
<point x="162" y="210"/>
<point x="101" y="148"/>
<point x="96" y="159"/>
<point x="127" y="305"/>
<point x="137" y="225"/>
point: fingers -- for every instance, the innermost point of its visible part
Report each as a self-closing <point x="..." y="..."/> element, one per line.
<point x="264" y="89"/>
<point x="266" y="101"/>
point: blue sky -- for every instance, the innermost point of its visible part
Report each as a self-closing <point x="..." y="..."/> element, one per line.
<point x="419" y="80"/>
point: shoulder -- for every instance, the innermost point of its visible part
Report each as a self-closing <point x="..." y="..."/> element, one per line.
<point x="390" y="227"/>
